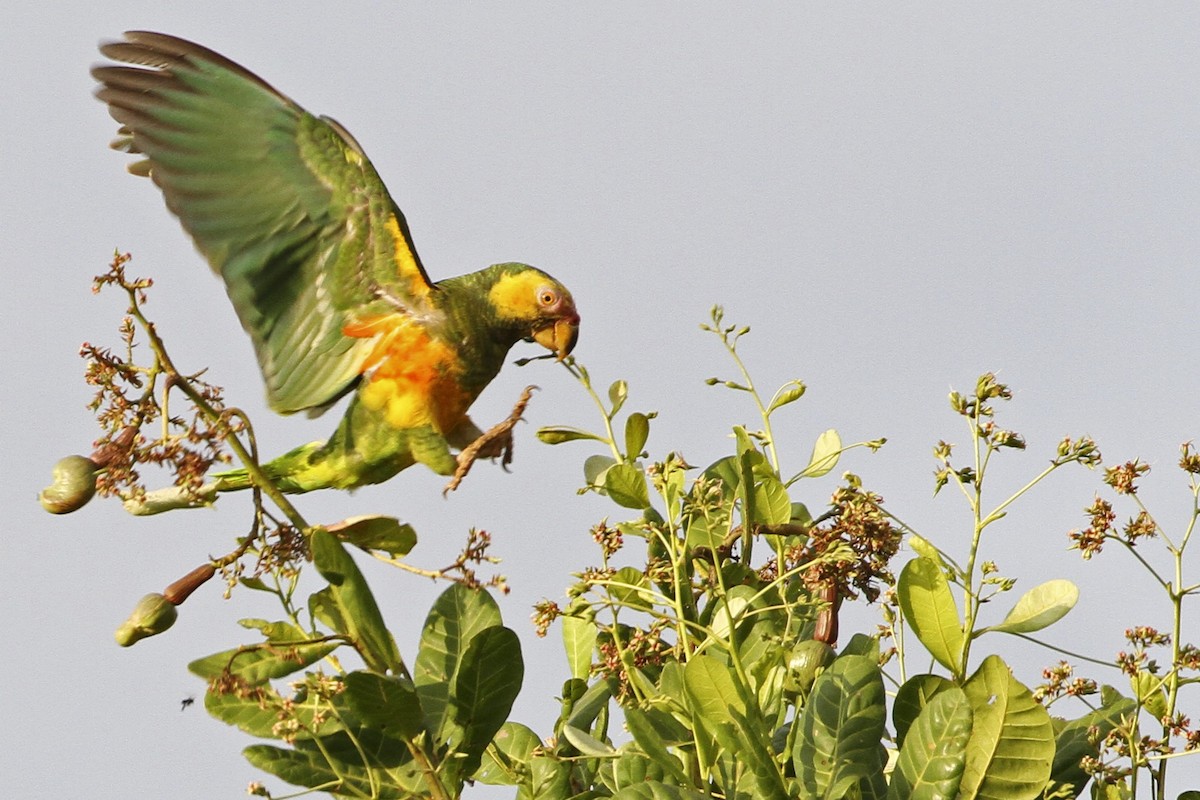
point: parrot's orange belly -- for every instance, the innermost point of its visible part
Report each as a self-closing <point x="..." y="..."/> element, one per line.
<point x="410" y="377"/>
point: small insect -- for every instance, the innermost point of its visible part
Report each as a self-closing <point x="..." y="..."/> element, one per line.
<point x="185" y="702"/>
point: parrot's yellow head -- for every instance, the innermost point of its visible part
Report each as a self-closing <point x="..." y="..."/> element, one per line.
<point x="529" y="297"/>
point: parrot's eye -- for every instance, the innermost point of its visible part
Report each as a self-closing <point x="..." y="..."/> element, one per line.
<point x="547" y="296"/>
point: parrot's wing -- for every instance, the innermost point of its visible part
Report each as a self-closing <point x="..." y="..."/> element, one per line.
<point x="284" y="205"/>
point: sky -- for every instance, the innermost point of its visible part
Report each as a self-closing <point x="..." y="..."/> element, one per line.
<point x="895" y="198"/>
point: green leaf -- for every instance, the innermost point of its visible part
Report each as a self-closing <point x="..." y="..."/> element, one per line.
<point x="503" y="763"/>
<point x="726" y="712"/>
<point x="744" y="443"/>
<point x="485" y="687"/>
<point x="711" y="690"/>
<point x="557" y="434"/>
<point x="637" y="431"/>
<point x="587" y="744"/>
<point x="633" y="588"/>
<point x="1040" y="607"/>
<point x="631" y="768"/>
<point x="934" y="755"/>
<point x="911" y="699"/>
<point x="586" y="707"/>
<point x="262" y="662"/>
<point x="790" y="392"/>
<point x="772" y="506"/>
<point x="376" y="533"/>
<point x="653" y="731"/>
<point x="654" y="790"/>
<point x="549" y="779"/>
<point x="826" y="452"/>
<point x="626" y="485"/>
<point x="1150" y="691"/>
<point x="594" y="468"/>
<point x="457" y="616"/>
<point x="337" y="766"/>
<point x="840" y="730"/>
<point x="926" y="549"/>
<point x="1074" y="741"/>
<point x="389" y="704"/>
<point x="579" y="642"/>
<point x="928" y="606"/>
<point x="359" y="613"/>
<point x="257" y="712"/>
<point x="616" y="396"/>
<point x="1012" y="742"/>
<point x="727" y="614"/>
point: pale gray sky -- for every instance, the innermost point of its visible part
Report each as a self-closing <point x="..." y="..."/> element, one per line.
<point x="896" y="198"/>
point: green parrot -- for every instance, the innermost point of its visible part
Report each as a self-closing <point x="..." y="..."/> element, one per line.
<point x="320" y="266"/>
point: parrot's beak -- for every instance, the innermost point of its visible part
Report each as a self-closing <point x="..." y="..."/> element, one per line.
<point x="559" y="336"/>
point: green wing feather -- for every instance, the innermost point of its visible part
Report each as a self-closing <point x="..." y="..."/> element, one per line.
<point x="284" y="205"/>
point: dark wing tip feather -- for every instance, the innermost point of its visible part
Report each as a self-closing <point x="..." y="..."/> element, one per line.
<point x="165" y="52"/>
<point x="154" y="60"/>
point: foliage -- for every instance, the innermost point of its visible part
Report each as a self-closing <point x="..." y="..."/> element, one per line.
<point x="703" y="645"/>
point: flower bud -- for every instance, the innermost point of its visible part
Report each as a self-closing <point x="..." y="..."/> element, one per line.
<point x="181" y="589"/>
<point x="153" y="615"/>
<point x="73" y="486"/>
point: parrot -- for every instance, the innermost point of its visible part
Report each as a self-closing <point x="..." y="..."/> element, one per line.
<point x="320" y="267"/>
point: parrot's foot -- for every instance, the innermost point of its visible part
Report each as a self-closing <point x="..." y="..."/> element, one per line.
<point x="497" y="442"/>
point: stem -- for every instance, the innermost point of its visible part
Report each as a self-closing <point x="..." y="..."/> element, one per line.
<point x="251" y="464"/>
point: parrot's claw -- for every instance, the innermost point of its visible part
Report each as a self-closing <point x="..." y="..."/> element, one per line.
<point x="497" y="442"/>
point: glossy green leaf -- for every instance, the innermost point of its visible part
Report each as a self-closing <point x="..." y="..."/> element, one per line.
<point x="485" y="687"/>
<point x="360" y="615"/>
<point x="841" y="726"/>
<point x="727" y="613"/>
<point x="826" y="452"/>
<point x="711" y="689"/>
<point x="913" y="696"/>
<point x="508" y="757"/>
<point x="336" y="765"/>
<point x="1074" y="741"/>
<point x="617" y="393"/>
<point x="790" y="392"/>
<point x="1150" y="691"/>
<point x="1040" y="607"/>
<point x="745" y="444"/>
<point x="929" y="609"/>
<point x="926" y="549"/>
<point x="457" y="616"/>
<point x="626" y="485"/>
<point x="637" y="431"/>
<point x="934" y="754"/>
<point x="264" y="662"/>
<point x="1012" y="742"/>
<point x="389" y="704"/>
<point x="771" y="502"/>
<point x="729" y="715"/>
<point x="654" y="731"/>
<point x="376" y="533"/>
<point x="630" y="587"/>
<point x="585" y="743"/>
<point x="631" y="768"/>
<point x="579" y="642"/>
<point x="594" y="468"/>
<point x="257" y="712"/>
<point x="654" y="790"/>
<point x="587" y="707"/>
<point x="557" y="434"/>
<point x="549" y="779"/>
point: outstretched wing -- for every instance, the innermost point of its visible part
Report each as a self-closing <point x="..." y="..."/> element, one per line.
<point x="284" y="205"/>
